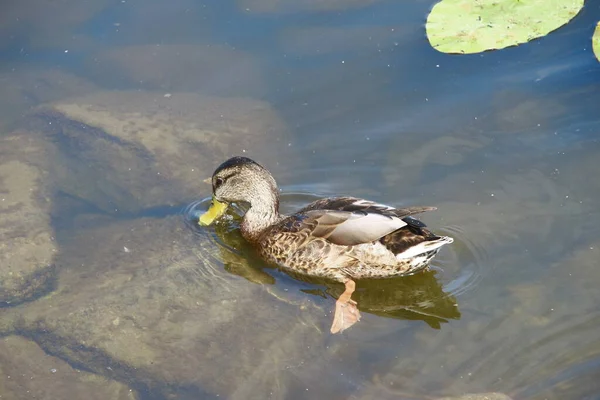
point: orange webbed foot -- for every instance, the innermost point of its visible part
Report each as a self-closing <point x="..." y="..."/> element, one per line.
<point x="346" y="312"/>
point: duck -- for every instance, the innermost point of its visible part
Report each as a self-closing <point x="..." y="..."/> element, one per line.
<point x="343" y="239"/>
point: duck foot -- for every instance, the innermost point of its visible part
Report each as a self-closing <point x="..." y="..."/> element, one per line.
<point x="346" y="312"/>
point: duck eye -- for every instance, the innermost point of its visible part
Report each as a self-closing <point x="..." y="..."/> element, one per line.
<point x="218" y="182"/>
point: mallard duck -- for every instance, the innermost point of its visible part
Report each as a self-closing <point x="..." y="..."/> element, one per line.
<point x="339" y="238"/>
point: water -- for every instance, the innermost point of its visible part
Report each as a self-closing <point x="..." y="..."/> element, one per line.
<point x="343" y="98"/>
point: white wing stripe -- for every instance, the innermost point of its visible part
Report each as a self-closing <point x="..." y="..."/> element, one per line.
<point x="368" y="203"/>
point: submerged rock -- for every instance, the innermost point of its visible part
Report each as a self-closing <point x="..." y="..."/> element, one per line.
<point x="27" y="372"/>
<point x="27" y="245"/>
<point x="127" y="151"/>
<point x="148" y="302"/>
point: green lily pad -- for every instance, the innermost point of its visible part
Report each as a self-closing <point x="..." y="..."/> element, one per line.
<point x="596" y="41"/>
<point x="473" y="26"/>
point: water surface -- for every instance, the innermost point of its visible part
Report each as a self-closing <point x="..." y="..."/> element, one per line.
<point x="503" y="143"/>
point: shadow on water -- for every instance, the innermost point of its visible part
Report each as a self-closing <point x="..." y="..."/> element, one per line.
<point x="422" y="296"/>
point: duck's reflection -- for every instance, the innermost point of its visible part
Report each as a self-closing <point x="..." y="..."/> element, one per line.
<point x="414" y="297"/>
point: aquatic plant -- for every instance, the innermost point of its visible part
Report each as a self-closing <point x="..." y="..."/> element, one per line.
<point x="474" y="26"/>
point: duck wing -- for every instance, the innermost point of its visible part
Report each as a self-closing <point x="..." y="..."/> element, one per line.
<point x="354" y="204"/>
<point x="347" y="228"/>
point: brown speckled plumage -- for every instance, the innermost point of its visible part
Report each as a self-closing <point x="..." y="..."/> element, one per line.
<point x="340" y="238"/>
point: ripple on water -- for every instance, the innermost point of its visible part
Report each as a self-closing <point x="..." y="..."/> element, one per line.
<point x="463" y="263"/>
<point x="212" y="260"/>
<point x="429" y="296"/>
<point x="192" y="213"/>
<point x="233" y="254"/>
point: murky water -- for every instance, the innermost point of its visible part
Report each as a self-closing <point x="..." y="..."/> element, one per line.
<point x="335" y="98"/>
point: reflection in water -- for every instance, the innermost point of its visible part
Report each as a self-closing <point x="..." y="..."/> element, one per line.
<point x="415" y="297"/>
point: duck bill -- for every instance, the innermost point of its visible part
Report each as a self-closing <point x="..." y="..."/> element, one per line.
<point x="216" y="210"/>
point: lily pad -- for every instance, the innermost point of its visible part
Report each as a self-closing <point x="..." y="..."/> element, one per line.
<point x="474" y="26"/>
<point x="596" y="41"/>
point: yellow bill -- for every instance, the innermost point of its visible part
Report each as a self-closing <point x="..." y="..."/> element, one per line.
<point x="214" y="212"/>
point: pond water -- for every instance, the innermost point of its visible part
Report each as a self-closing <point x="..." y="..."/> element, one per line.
<point x="344" y="98"/>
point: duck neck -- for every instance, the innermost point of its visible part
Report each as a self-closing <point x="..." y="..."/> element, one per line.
<point x="263" y="213"/>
